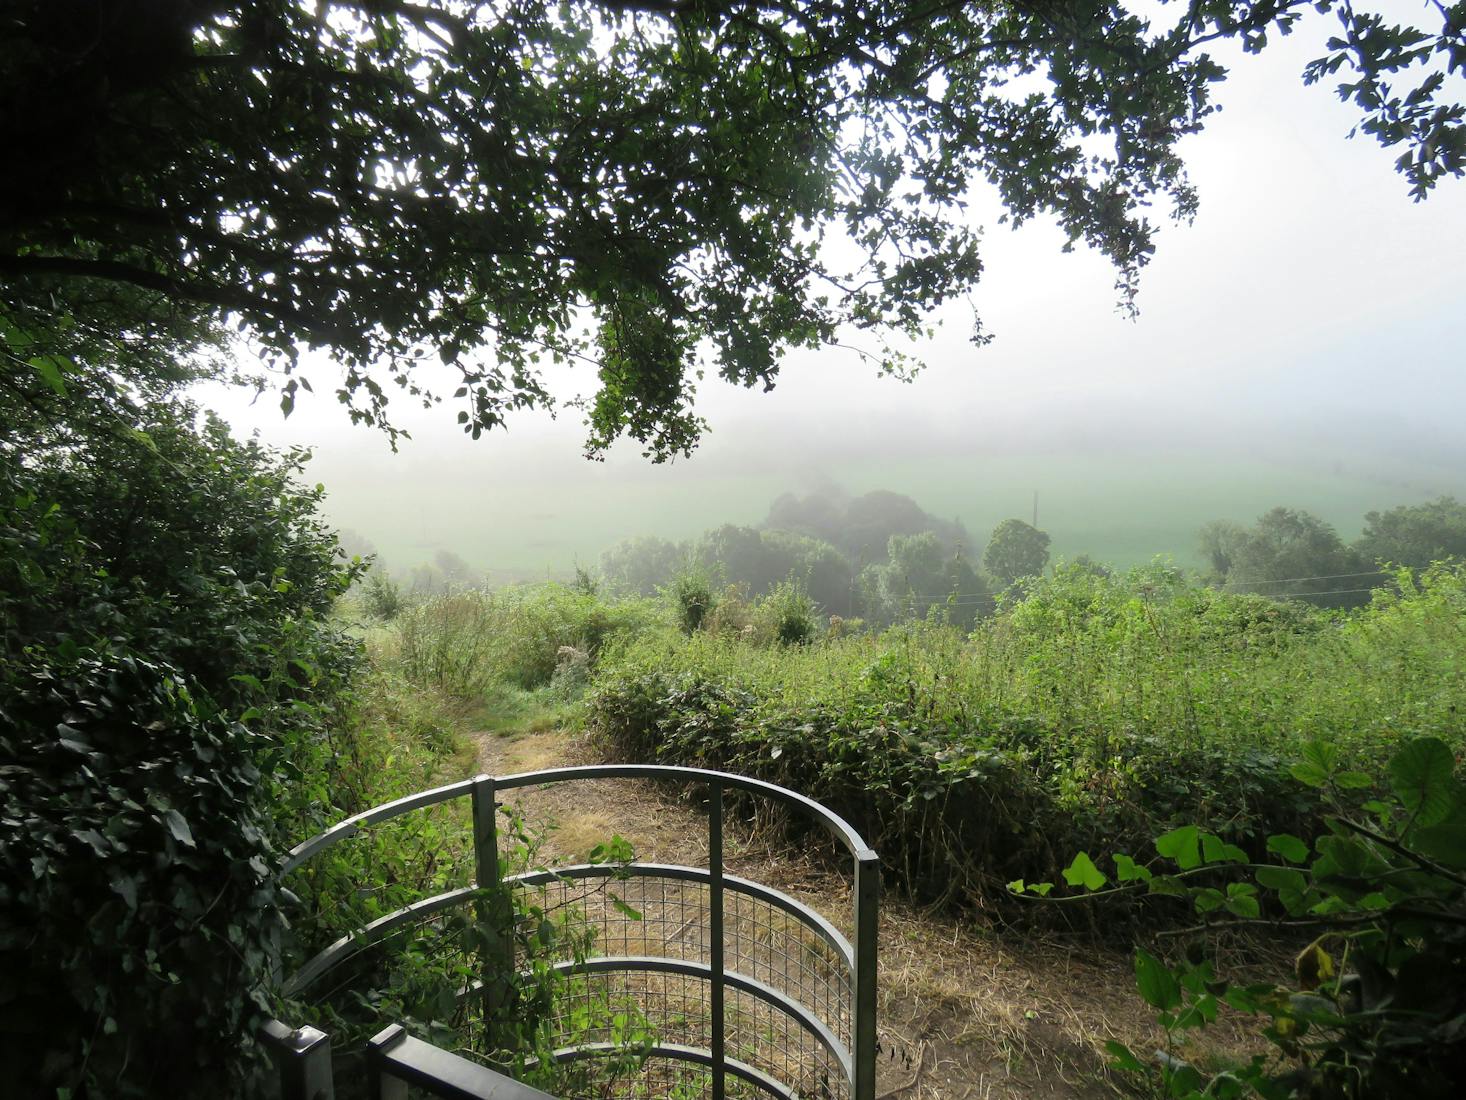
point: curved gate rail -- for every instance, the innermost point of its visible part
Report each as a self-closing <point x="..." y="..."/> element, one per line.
<point x="739" y="979"/>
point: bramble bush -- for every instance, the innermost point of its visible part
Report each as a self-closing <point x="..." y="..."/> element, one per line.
<point x="1098" y="710"/>
<point x="1377" y="1007"/>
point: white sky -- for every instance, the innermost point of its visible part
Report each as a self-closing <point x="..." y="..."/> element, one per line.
<point x="1310" y="316"/>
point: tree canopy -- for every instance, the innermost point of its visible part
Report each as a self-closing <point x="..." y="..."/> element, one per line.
<point x="1288" y="552"/>
<point x="1415" y="535"/>
<point x="477" y="183"/>
<point x="1016" y="550"/>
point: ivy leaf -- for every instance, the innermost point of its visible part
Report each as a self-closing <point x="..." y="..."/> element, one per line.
<point x="1446" y="844"/>
<point x="1209" y="900"/>
<point x="1314" y="966"/>
<point x="178" y="826"/>
<point x="1317" y="764"/>
<point x="1215" y="850"/>
<point x="126" y="887"/>
<point x="1127" y="870"/>
<point x="1251" y="998"/>
<point x="1123" y="1057"/>
<point x="1083" y="872"/>
<point x="1422" y="775"/>
<point x="1199" y="1012"/>
<point x="50" y="372"/>
<point x="1156" y="982"/>
<point x="1281" y="879"/>
<point x="1289" y="847"/>
<point x="1242" y="900"/>
<point x="621" y="907"/>
<point x="1169" y="886"/>
<point x="1182" y="845"/>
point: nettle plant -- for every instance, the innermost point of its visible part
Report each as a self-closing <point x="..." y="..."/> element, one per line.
<point x="1377" y="1005"/>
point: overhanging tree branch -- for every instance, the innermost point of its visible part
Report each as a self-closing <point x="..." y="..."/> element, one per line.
<point x="231" y="298"/>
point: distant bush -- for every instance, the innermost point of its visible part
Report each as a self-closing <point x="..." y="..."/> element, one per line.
<point x="451" y="642"/>
<point x="788" y="615"/>
<point x="732" y="613"/>
<point x="692" y="598"/>
<point x="381" y="596"/>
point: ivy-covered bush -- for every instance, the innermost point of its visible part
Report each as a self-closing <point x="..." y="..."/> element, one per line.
<point x="166" y="676"/>
<point x="955" y="810"/>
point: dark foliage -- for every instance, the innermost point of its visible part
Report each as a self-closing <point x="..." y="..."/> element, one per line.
<point x="165" y="672"/>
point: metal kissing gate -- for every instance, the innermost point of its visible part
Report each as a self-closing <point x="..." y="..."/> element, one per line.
<point x="745" y="990"/>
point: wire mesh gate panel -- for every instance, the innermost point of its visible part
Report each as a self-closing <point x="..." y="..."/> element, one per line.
<point x="743" y="990"/>
<point x="788" y="991"/>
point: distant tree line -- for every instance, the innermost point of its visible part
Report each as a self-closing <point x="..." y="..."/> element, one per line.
<point x="882" y="558"/>
<point x="1294" y="554"/>
<point x="878" y="557"/>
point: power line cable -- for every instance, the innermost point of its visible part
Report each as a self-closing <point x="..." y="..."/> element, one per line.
<point x="1325" y="592"/>
<point x="1324" y="577"/>
<point x="959" y="596"/>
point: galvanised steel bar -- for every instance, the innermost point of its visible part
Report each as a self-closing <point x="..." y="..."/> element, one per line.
<point x="715" y="935"/>
<point x="303" y="1057"/>
<point x="385" y="812"/>
<point x="867" y="933"/>
<point x="396" y="1062"/>
<point x="493" y="912"/>
<point x="836" y="825"/>
<point x="374" y="932"/>
<point x="347" y="946"/>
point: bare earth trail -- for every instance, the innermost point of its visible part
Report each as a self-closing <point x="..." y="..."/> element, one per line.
<point x="962" y="1015"/>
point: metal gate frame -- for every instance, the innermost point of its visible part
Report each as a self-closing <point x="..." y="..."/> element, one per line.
<point x="303" y="1052"/>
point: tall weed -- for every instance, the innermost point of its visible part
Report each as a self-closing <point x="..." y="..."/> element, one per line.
<point x="466" y="642"/>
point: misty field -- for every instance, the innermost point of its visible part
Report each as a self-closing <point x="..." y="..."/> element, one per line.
<point x="1118" y="507"/>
